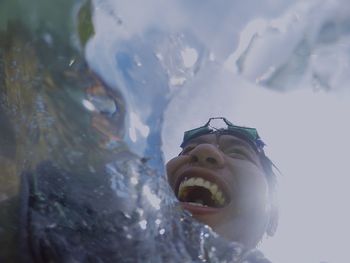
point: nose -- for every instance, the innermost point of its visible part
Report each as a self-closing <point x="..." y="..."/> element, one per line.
<point x="207" y="155"/>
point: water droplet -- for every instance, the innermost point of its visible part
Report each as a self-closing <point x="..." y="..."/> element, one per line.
<point x="212" y="56"/>
<point x="48" y="38"/>
<point x="159" y="56"/>
<point x="137" y="61"/>
<point x="103" y="104"/>
<point x="152" y="198"/>
<point x="134" y="180"/>
<point x="143" y="224"/>
<point x="71" y="62"/>
<point x="177" y="81"/>
<point x="139" y="211"/>
<point x="189" y="57"/>
<point x="88" y="105"/>
<point x="127" y="215"/>
<point x="137" y="125"/>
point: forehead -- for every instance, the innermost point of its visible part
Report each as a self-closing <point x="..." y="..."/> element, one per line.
<point x="224" y="140"/>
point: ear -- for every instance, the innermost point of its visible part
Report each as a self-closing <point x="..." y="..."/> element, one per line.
<point x="273" y="221"/>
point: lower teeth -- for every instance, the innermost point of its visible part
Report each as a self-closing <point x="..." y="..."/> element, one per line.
<point x="196" y="204"/>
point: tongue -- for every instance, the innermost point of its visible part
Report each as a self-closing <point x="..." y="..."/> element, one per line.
<point x="199" y="195"/>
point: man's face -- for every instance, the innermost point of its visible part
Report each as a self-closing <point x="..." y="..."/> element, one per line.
<point x="220" y="180"/>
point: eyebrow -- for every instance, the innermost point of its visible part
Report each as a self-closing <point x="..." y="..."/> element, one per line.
<point x="236" y="142"/>
<point x="232" y="140"/>
<point x="196" y="140"/>
<point x="239" y="142"/>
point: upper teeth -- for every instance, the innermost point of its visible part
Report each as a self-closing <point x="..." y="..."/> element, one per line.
<point x="216" y="193"/>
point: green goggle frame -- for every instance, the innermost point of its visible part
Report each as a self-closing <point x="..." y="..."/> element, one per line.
<point x="248" y="134"/>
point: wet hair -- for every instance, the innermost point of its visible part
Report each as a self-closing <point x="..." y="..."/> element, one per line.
<point x="269" y="169"/>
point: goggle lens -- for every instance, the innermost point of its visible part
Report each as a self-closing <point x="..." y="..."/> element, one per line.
<point x="251" y="134"/>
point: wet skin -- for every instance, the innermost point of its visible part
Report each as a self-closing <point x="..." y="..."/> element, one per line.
<point x="235" y="167"/>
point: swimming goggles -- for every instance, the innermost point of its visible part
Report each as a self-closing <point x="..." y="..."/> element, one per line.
<point x="247" y="134"/>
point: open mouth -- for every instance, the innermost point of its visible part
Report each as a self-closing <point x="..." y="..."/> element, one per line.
<point x="201" y="192"/>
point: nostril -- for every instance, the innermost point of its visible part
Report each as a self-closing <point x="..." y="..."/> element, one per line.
<point x="194" y="159"/>
<point x="211" y="160"/>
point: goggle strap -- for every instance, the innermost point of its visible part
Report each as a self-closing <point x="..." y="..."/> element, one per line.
<point x="228" y="123"/>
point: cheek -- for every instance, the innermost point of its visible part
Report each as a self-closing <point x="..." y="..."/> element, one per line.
<point x="252" y="187"/>
<point x="174" y="165"/>
<point x="170" y="169"/>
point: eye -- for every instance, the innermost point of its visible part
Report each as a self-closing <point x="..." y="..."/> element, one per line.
<point x="238" y="153"/>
